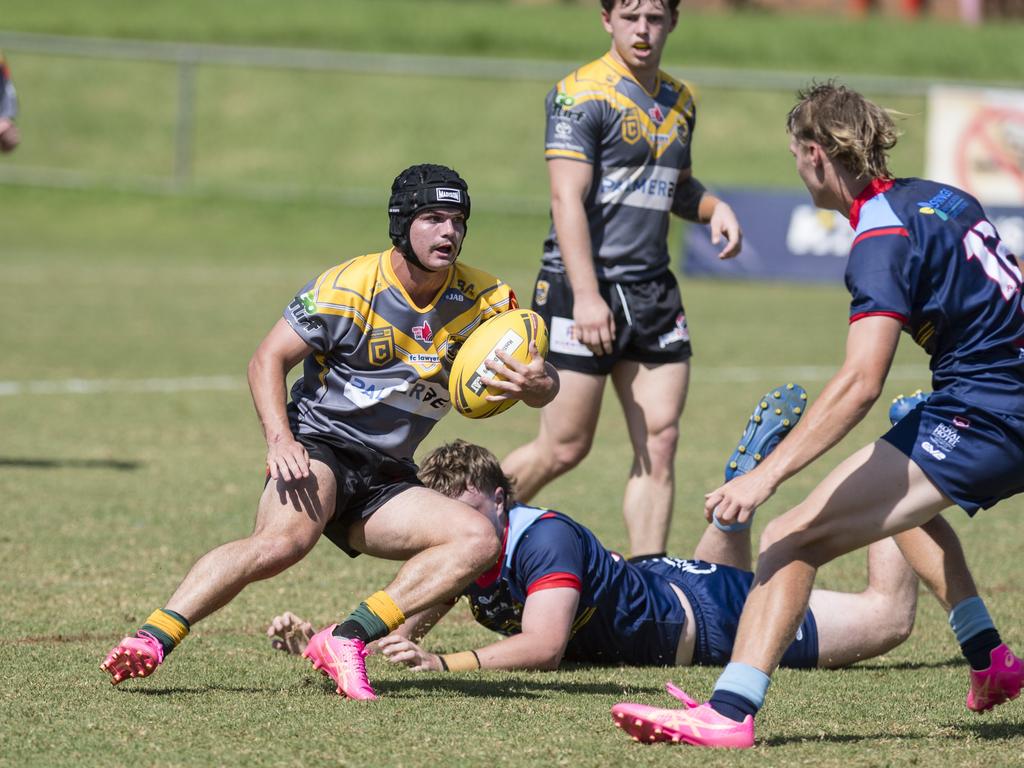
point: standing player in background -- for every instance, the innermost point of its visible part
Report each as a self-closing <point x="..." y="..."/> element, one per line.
<point x="925" y="259"/>
<point x="9" y="137"/>
<point x="618" y="154"/>
<point x="376" y="337"/>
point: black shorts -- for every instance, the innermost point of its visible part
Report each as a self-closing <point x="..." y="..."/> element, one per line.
<point x="366" y="480"/>
<point x="650" y="323"/>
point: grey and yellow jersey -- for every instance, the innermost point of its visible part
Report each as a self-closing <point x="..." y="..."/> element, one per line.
<point x="379" y="373"/>
<point x="638" y="142"/>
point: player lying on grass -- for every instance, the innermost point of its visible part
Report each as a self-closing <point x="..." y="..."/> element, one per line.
<point x="557" y="593"/>
<point x="376" y="336"/>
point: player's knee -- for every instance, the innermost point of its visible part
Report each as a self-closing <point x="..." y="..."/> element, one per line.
<point x="660" y="446"/>
<point x="277" y="553"/>
<point x="479" y="545"/>
<point x="566" y="455"/>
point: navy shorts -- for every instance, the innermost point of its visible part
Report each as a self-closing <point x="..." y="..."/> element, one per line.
<point x="650" y="323"/>
<point x="973" y="456"/>
<point x="716" y="594"/>
<point x="366" y="480"/>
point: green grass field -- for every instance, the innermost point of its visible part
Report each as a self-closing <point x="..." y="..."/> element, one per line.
<point x="108" y="497"/>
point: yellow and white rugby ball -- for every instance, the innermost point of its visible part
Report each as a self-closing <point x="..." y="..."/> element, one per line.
<point x="511" y="332"/>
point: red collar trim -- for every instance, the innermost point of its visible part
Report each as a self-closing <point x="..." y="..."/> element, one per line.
<point x="875" y="188"/>
<point x="487" y="578"/>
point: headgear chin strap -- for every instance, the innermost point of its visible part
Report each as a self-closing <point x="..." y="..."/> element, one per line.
<point x="420" y="188"/>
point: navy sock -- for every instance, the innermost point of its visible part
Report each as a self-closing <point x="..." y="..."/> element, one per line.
<point x="978" y="649"/>
<point x="732" y="705"/>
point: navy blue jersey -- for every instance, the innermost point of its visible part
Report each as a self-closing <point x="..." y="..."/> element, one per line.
<point x="926" y="254"/>
<point x="625" y="614"/>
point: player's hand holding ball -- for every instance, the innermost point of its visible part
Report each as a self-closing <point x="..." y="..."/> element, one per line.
<point x="501" y="363"/>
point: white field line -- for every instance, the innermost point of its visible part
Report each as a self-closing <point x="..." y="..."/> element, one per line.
<point x="701" y="374"/>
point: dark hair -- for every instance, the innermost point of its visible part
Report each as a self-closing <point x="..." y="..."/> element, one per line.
<point x="458" y="465"/>
<point x="855" y="132"/>
<point x="671" y="5"/>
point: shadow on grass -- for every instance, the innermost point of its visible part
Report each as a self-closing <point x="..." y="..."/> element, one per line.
<point x="197" y="690"/>
<point x="526" y="689"/>
<point x="118" y="464"/>
<point x="956" y="732"/>
<point x="909" y="666"/>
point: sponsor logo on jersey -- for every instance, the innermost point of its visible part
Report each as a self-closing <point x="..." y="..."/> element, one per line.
<point x="639" y="187"/>
<point x="444" y="193"/>
<point x="540" y="293"/>
<point x="563" y="129"/>
<point x="564" y="100"/>
<point x="453" y="295"/>
<point x="382" y="346"/>
<point x="630" y="127"/>
<point x="421" y="397"/>
<point x="303" y="308"/>
<point x="677" y="334"/>
<point x="656" y="114"/>
<point x="961" y="422"/>
<point x="422" y="333"/>
<point x="945" y="204"/>
<point x="424" y="359"/>
<point x="932" y="451"/>
<point x="946" y="436"/>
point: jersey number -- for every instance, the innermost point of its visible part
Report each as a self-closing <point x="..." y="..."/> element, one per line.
<point x="998" y="264"/>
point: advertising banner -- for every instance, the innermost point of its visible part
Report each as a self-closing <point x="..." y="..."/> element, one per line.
<point x="786" y="238"/>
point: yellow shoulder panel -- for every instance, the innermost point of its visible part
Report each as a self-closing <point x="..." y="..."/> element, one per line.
<point x="348" y="288"/>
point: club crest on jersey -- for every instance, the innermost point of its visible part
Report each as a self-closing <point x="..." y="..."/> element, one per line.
<point x="630" y="127"/>
<point x="540" y="293"/>
<point x="382" y="346"/>
<point x="423" y="333"/>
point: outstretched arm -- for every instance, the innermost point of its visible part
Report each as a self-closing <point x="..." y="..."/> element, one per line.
<point x="547" y="627"/>
<point x="843" y="402"/>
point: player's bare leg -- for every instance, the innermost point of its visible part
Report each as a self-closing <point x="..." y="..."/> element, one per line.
<point x="289" y="521"/>
<point x="445" y="543"/>
<point x="861" y="625"/>
<point x="876" y="493"/>
<point x="652" y="398"/>
<point x="567" y="426"/>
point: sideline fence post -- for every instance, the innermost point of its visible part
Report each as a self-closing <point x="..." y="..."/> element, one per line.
<point x="184" y="128"/>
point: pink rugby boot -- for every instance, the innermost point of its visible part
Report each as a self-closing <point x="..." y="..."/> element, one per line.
<point x="997" y="684"/>
<point x="137" y="656"/>
<point x="343" y="660"/>
<point x="696" y="724"/>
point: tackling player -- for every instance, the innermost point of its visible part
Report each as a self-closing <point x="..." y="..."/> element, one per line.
<point x="556" y="593"/>
<point x="376" y="337"/>
<point x="619" y="133"/>
<point x="925" y="260"/>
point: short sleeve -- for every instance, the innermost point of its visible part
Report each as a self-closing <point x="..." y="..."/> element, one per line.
<point x="573" y="129"/>
<point x="550" y="554"/>
<point x="876" y="275"/>
<point x="322" y="326"/>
